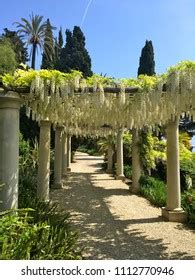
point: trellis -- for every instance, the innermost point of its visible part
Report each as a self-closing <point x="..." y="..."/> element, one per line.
<point x="76" y="106"/>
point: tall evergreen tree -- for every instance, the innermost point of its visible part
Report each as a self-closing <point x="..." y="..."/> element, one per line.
<point x="146" y="62"/>
<point x="58" y="44"/>
<point x="60" y="38"/>
<point x="146" y="67"/>
<point x="65" y="62"/>
<point x="74" y="55"/>
<point x="18" y="46"/>
<point x="48" y="48"/>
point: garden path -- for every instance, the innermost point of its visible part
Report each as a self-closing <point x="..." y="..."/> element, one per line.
<point x="115" y="224"/>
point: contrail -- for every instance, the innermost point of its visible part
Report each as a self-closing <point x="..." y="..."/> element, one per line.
<point x="86" y="11"/>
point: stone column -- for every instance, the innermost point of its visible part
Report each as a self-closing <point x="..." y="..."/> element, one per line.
<point x="68" y="153"/>
<point x="110" y="157"/>
<point x="119" y="170"/>
<point x="58" y="158"/>
<point x="173" y="210"/>
<point x="44" y="161"/>
<point x="9" y="149"/>
<point x="136" y="164"/>
<point x="64" y="155"/>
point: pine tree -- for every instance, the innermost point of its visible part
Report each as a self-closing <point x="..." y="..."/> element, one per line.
<point x="146" y="62"/>
<point x="17" y="44"/>
<point x="48" y="48"/>
<point x="74" y="55"/>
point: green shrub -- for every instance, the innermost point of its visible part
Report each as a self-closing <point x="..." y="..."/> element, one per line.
<point x="188" y="204"/>
<point x="22" y="239"/>
<point x="42" y="233"/>
<point x="154" y="190"/>
<point x="128" y="171"/>
<point x="28" y="159"/>
<point x="92" y="152"/>
<point x="127" y="148"/>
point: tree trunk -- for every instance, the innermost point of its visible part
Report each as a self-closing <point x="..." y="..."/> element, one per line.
<point x="33" y="55"/>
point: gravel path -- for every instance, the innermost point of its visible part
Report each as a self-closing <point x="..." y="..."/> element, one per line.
<point x="115" y="224"/>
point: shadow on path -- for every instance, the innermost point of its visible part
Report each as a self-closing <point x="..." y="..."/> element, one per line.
<point x="96" y="203"/>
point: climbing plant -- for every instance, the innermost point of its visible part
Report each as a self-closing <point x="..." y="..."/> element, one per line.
<point x="65" y="99"/>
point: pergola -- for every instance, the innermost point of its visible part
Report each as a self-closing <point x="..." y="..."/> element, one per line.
<point x="76" y="107"/>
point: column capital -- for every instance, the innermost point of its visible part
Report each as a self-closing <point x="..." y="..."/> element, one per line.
<point x="59" y="127"/>
<point x="10" y="99"/>
<point x="172" y="123"/>
<point x="45" y="123"/>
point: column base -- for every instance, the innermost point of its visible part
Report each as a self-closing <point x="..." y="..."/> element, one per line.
<point x="179" y="216"/>
<point x="120" y="177"/>
<point x="57" y="185"/>
<point x="109" y="171"/>
<point x="134" y="190"/>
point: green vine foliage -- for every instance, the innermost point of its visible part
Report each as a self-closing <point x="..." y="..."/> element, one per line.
<point x="24" y="78"/>
<point x="182" y="66"/>
<point x="151" y="150"/>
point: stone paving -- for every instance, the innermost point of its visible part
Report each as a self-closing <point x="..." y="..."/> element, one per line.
<point x="115" y="224"/>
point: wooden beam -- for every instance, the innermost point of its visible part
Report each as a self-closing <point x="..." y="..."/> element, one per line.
<point x="25" y="90"/>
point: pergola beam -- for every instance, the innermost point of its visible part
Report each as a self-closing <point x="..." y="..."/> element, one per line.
<point x="26" y="90"/>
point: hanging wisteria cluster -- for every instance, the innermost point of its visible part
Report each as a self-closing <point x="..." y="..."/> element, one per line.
<point x="65" y="99"/>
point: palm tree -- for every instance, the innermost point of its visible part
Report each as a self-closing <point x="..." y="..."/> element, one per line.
<point x="33" y="32"/>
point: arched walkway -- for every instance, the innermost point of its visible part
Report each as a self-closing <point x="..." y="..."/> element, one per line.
<point x="115" y="224"/>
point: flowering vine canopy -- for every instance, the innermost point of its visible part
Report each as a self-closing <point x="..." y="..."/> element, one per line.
<point x="86" y="105"/>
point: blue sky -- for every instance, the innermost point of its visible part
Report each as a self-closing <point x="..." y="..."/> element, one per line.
<point x="116" y="30"/>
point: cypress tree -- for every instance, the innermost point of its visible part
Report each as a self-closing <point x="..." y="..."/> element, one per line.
<point x="60" y="38"/>
<point x="48" y="48"/>
<point x="65" y="62"/>
<point x="146" y="67"/>
<point x="58" y="43"/>
<point x="74" y="56"/>
<point x="146" y="62"/>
